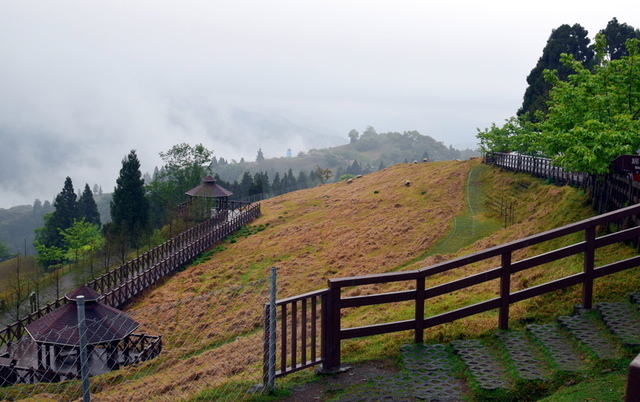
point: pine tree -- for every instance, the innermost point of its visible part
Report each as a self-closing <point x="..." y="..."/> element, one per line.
<point x="567" y="39"/>
<point x="49" y="240"/>
<point x="66" y="211"/>
<point x="616" y="36"/>
<point x="129" y="205"/>
<point x="276" y="186"/>
<point x="292" y="180"/>
<point x="87" y="207"/>
<point x="303" y="180"/>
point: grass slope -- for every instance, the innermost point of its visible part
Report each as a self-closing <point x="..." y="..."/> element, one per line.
<point x="375" y="224"/>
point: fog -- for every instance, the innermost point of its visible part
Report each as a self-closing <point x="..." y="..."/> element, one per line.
<point x="82" y="83"/>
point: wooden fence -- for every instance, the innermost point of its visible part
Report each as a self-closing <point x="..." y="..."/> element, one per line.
<point x="123" y="283"/>
<point x="608" y="192"/>
<point x="293" y="330"/>
<point x="536" y="166"/>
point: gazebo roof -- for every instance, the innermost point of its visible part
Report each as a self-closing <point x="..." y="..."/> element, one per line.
<point x="209" y="189"/>
<point x="104" y="323"/>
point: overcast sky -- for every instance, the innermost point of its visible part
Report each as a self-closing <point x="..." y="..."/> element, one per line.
<point x="84" y="82"/>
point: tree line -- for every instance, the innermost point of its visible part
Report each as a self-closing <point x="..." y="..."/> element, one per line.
<point x="582" y="106"/>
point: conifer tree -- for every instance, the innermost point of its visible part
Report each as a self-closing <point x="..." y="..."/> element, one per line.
<point x="65" y="212"/>
<point x="616" y="36"/>
<point x="567" y="39"/>
<point x="129" y="205"/>
<point x="87" y="207"/>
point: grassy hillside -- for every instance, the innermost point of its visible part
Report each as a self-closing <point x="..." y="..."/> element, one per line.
<point x="375" y="224"/>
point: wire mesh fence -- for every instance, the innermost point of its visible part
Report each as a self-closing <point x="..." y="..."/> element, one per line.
<point x="203" y="346"/>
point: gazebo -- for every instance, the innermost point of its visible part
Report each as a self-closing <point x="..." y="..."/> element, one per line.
<point x="208" y="198"/>
<point x="109" y="337"/>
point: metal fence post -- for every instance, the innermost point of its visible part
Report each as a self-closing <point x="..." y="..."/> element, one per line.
<point x="272" y="329"/>
<point x="84" y="359"/>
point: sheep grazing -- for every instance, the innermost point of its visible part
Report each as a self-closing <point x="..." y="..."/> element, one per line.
<point x="359" y="176"/>
<point x="349" y="181"/>
<point x="415" y="161"/>
<point x="425" y="160"/>
<point x="407" y="183"/>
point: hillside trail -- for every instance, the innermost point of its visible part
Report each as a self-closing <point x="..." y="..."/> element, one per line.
<point x="549" y="357"/>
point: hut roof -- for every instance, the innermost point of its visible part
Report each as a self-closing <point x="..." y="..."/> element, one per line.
<point x="104" y="323"/>
<point x="209" y="189"/>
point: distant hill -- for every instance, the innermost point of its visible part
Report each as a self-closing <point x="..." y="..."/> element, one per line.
<point x="371" y="151"/>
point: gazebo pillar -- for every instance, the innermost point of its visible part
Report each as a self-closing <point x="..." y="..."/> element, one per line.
<point x="39" y="356"/>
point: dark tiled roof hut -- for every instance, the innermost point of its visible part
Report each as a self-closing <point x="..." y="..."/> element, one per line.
<point x="105" y="327"/>
<point x="207" y="197"/>
<point x="209" y="189"/>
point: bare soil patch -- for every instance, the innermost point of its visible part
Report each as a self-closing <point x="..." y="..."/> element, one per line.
<point x="330" y="385"/>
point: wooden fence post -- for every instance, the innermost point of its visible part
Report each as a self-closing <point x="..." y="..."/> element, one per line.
<point x="331" y="330"/>
<point x="633" y="381"/>
<point x="589" y="257"/>
<point x="419" y="334"/>
<point x="505" y="291"/>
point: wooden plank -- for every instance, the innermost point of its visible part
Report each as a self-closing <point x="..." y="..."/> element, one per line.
<point x="382" y="298"/>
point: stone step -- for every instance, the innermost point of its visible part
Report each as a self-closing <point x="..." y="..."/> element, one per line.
<point x="482" y="364"/>
<point x="430" y="372"/>
<point x="562" y="351"/>
<point x="524" y="356"/>
<point x="585" y="329"/>
<point x="623" y="320"/>
<point x="427" y="375"/>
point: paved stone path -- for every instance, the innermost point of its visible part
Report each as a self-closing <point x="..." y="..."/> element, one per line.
<point x="570" y="345"/>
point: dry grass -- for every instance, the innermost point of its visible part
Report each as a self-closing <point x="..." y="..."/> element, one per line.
<point x="375" y="224"/>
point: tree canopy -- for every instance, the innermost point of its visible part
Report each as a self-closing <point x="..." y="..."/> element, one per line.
<point x="594" y="116"/>
<point x="566" y="39"/>
<point x="65" y="213"/>
<point x="616" y="36"/>
<point x="129" y="205"/>
<point x="87" y="207"/>
<point x="4" y="252"/>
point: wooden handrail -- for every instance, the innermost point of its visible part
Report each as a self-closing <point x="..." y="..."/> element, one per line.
<point x="333" y="302"/>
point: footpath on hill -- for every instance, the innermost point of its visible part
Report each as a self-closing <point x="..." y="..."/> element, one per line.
<point x="467" y="228"/>
<point x="578" y="357"/>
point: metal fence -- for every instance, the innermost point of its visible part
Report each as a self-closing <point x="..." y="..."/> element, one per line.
<point x="121" y="284"/>
<point x="211" y="349"/>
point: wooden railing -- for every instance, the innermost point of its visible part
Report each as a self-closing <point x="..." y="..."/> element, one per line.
<point x="145" y="347"/>
<point x="536" y="166"/>
<point x="333" y="302"/>
<point x="608" y="192"/>
<point x="299" y="333"/>
<point x="121" y="284"/>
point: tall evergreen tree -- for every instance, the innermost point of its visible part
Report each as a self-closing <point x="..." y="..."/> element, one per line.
<point x="276" y="186"/>
<point x="65" y="212"/>
<point x="292" y="180"/>
<point x="616" y="36"/>
<point x="129" y="204"/>
<point x="87" y="207"/>
<point x="246" y="184"/>
<point x="567" y="39"/>
<point x="260" y="156"/>
<point x="303" y="180"/>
